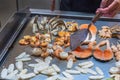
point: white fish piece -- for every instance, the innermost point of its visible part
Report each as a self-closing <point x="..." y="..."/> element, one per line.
<point x="23" y="59"/>
<point x="67" y="75"/>
<point x="12" y="74"/>
<point x="27" y="76"/>
<point x="21" y="55"/>
<point x="114" y="70"/>
<point x="85" y="63"/>
<point x="70" y="63"/>
<point x="99" y="71"/>
<point x="117" y="64"/>
<point x="11" y="68"/>
<point x="19" y="65"/>
<point x="88" y="66"/>
<point x="72" y="71"/>
<point x="4" y="73"/>
<point x="57" y="69"/>
<point x="35" y="28"/>
<point x="81" y="70"/>
<point x="96" y="77"/>
<point x="91" y="71"/>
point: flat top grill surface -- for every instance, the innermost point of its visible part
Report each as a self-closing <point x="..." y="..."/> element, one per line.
<point x="16" y="49"/>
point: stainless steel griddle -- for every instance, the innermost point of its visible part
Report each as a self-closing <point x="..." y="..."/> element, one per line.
<point x="18" y="26"/>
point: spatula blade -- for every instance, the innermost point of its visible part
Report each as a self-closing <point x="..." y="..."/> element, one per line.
<point x="77" y="38"/>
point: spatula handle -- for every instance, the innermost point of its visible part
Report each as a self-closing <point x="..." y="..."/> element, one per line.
<point x="98" y="15"/>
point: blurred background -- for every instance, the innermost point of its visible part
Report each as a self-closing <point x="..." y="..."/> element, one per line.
<point x="8" y="7"/>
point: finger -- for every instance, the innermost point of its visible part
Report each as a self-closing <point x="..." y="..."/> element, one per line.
<point x="115" y="4"/>
<point x="110" y="8"/>
<point x="112" y="13"/>
<point x="105" y="3"/>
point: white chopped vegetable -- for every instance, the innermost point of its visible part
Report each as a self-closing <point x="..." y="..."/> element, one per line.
<point x="53" y="74"/>
<point x="21" y="55"/>
<point x="63" y="55"/>
<point x="40" y="26"/>
<point x="70" y="63"/>
<point x="12" y="75"/>
<point x="117" y="64"/>
<point x="4" y="73"/>
<point x="32" y="65"/>
<point x="39" y="60"/>
<point x="48" y="60"/>
<point x="42" y="67"/>
<point x="99" y="71"/>
<point x="11" y="68"/>
<point x="26" y="56"/>
<point x="117" y="77"/>
<point x="72" y="71"/>
<point x="24" y="71"/>
<point x="91" y="71"/>
<point x="114" y="70"/>
<point x="23" y="59"/>
<point x="52" y="78"/>
<point x="67" y="75"/>
<point x="36" y="71"/>
<point x="35" y="28"/>
<point x="88" y="65"/>
<point x="85" y="63"/>
<point x="19" y="65"/>
<point x="81" y="70"/>
<point x="57" y="69"/>
<point x="49" y="72"/>
<point x="27" y="76"/>
<point x="96" y="77"/>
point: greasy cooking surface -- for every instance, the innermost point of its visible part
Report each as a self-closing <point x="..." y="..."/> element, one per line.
<point x="17" y="49"/>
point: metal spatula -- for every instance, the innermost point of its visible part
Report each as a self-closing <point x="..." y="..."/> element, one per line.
<point x="79" y="36"/>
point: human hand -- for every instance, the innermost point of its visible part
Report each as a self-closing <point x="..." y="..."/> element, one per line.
<point x="109" y="8"/>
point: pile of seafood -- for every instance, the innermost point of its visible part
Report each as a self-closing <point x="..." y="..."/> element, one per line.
<point x="109" y="32"/>
<point x="39" y="40"/>
<point x="51" y="39"/>
<point x="116" y="51"/>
